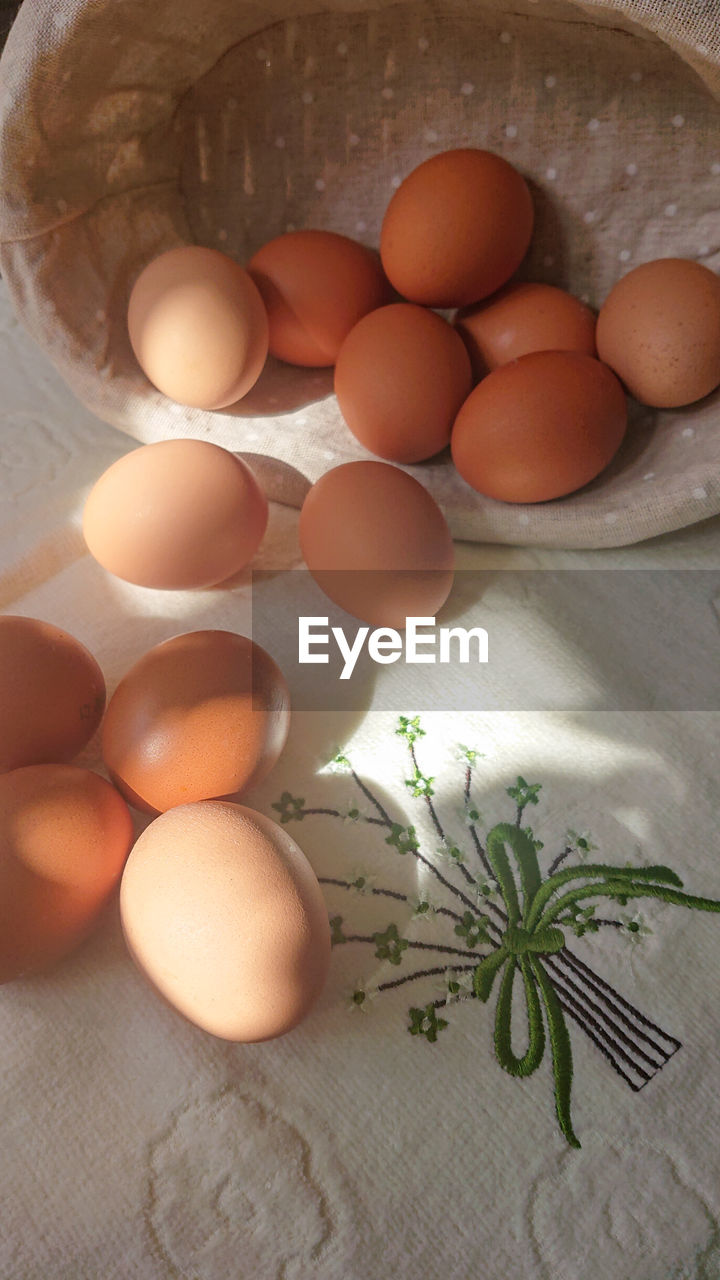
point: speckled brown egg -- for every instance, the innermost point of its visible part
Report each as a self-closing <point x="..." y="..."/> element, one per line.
<point x="198" y="327"/>
<point x="315" y="285"/>
<point x="457" y="228"/>
<point x="64" y="836"/>
<point x="202" y="715"/>
<point x="400" y="378"/>
<point x="175" y="514"/>
<point x="659" y="329"/>
<point x="52" y="693"/>
<point x="377" y="543"/>
<point x="222" y="911"/>
<point x="539" y="427"/>
<point x="522" y="318"/>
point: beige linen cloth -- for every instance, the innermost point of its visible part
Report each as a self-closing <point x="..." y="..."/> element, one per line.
<point x="127" y="127"/>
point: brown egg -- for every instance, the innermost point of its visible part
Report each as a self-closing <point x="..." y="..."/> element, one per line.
<point x="456" y="228"/>
<point x="659" y="329"/>
<point x="540" y="427"/>
<point x="64" y="836"/>
<point x="315" y="285"/>
<point x="377" y="543"/>
<point x="202" y="715"/>
<point x="198" y="327"/>
<point x="523" y="318"/>
<point x="179" y="513"/>
<point x="400" y="378"/>
<point x="223" y="913"/>
<point x="52" y="693"/>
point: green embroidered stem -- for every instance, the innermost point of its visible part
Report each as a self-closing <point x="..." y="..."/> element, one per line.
<point x="562" y="1062"/>
<point x="620" y="889"/>
<point x="532" y="1057"/>
<point x="486" y="971"/>
<point x="596" y="871"/>
<point x="502" y="871"/>
<point x="526" y="858"/>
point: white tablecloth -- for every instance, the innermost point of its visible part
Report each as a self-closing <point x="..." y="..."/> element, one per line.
<point x="136" y="1147"/>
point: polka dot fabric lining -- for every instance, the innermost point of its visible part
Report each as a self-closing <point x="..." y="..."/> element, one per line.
<point x="127" y="129"/>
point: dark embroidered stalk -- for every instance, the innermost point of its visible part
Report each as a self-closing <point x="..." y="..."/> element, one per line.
<point x="335" y="813"/>
<point x="568" y="1007"/>
<point x="559" y="860"/>
<point x="385" y="817"/>
<point x="386" y="821"/>
<point x="424" y="973"/>
<point x="569" y="985"/>
<point x="415" y="946"/>
<point x="348" y="884"/>
<point x="434" y="818"/>
<point x="604" y="991"/>
<point x="439" y="876"/>
<point x="479" y="849"/>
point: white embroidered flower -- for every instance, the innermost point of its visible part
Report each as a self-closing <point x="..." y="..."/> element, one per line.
<point x="423" y="908"/>
<point x="350" y="813"/>
<point x="635" y="928"/>
<point x="450" y="854"/>
<point x="579" y="843"/>
<point x="338" y="764"/>
<point x="486" y="890"/>
<point x="454" y="984"/>
<point x="470" y="815"/>
<point x="360" y="996"/>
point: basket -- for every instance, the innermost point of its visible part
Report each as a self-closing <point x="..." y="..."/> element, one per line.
<point x="127" y="128"/>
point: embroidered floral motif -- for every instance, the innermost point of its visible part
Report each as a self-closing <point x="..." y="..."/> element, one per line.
<point x="525" y="922"/>
<point x="425" y="1022"/>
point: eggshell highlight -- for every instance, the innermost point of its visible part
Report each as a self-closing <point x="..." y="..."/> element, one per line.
<point x="64" y="836"/>
<point x="176" y="514"/>
<point x="202" y="715"/>
<point x="223" y="913"/>
<point x="52" y="693"/>
<point x="198" y="327"/>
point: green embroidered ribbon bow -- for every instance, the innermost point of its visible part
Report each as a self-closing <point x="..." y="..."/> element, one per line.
<point x="533" y="931"/>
